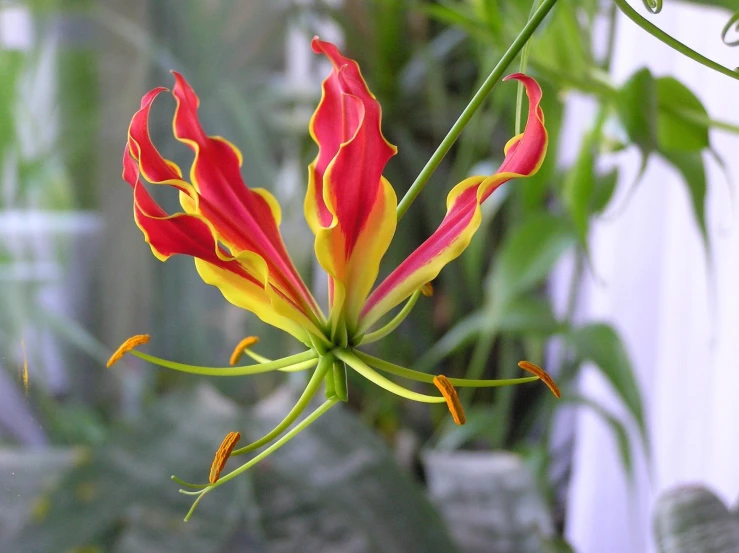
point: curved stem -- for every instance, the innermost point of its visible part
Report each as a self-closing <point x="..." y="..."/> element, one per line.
<point x="734" y="20"/>
<point x="394" y="323"/>
<point x="366" y="371"/>
<point x="283" y="363"/>
<point x="673" y="43"/>
<point x="473" y="106"/>
<point x="325" y="363"/>
<point x="397" y="370"/>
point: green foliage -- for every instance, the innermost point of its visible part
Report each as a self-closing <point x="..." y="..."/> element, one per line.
<point x="119" y="497"/>
<point x="600" y="344"/>
<point x="527" y="256"/>
<point x="662" y="115"/>
<point x="424" y="60"/>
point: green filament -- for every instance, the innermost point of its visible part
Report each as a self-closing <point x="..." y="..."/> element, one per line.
<point x="394" y="323"/>
<point x="286" y="362"/>
<point x="314" y="383"/>
<point x="325" y="406"/>
<point x="397" y="370"/>
<point x="366" y="371"/>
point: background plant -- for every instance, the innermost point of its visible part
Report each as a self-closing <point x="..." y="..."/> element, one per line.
<point x="424" y="60"/>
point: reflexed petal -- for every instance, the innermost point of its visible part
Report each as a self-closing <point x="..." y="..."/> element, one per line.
<point x="242" y="280"/>
<point x="349" y="205"/>
<point x="247" y="219"/>
<point x="524" y="155"/>
<point x="242" y="220"/>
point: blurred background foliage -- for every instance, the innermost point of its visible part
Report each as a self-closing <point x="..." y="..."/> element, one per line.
<point x="86" y="452"/>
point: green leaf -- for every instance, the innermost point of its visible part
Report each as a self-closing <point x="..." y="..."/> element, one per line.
<point x="617" y="427"/>
<point x="675" y="132"/>
<point x="562" y="43"/>
<point x="692" y="168"/>
<point x="578" y="189"/>
<point x="529" y="315"/>
<point x="601" y="344"/>
<point x="603" y="190"/>
<point x="523" y="315"/>
<point x="557" y="544"/>
<point x="527" y="255"/>
<point x="636" y="104"/>
<point x="460" y="335"/>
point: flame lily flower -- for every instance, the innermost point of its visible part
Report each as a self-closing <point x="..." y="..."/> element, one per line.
<point x="232" y="232"/>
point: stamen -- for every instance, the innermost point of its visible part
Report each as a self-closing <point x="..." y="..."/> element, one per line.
<point x="290" y="362"/>
<point x="222" y="455"/>
<point x="310" y="390"/>
<point x="427" y="290"/>
<point x="240" y="347"/>
<point x="451" y="397"/>
<point x="542" y="374"/>
<point x="128" y="345"/>
<point x="307" y="421"/>
<point x="366" y="371"/>
<point x="418" y="376"/>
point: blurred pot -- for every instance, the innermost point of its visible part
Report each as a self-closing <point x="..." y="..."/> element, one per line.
<point x="489" y="501"/>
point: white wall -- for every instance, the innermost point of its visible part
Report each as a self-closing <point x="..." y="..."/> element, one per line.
<point x="679" y="321"/>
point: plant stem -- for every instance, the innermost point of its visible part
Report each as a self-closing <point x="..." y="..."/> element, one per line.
<point x="673" y="43"/>
<point x="473" y="106"/>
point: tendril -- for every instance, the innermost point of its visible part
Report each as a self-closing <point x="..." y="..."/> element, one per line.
<point x="733" y="21"/>
<point x="673" y="43"/>
<point x="654" y="6"/>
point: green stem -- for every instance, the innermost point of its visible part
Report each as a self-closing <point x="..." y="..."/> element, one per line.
<point x="283" y="363"/>
<point x="394" y="323"/>
<point x="325" y="406"/>
<point x="314" y="383"/>
<point x="472" y="107"/>
<point x="607" y="60"/>
<point x="366" y="371"/>
<point x="700" y="119"/>
<point x="341" y="388"/>
<point x="673" y="43"/>
<point x="397" y="370"/>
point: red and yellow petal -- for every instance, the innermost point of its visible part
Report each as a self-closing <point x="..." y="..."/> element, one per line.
<point x="524" y="155"/>
<point x="242" y="280"/>
<point x="248" y="220"/>
<point x="349" y="205"/>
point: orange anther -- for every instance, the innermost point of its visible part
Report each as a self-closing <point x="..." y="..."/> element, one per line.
<point x="127" y="346"/>
<point x="427" y="290"/>
<point x="542" y="374"/>
<point x="222" y="455"/>
<point x="241" y="346"/>
<point x="451" y="397"/>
